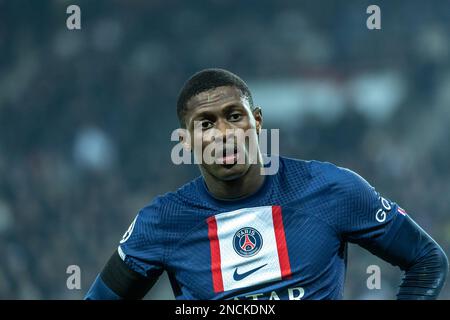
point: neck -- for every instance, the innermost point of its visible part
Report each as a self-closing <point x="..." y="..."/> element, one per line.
<point x="238" y="188"/>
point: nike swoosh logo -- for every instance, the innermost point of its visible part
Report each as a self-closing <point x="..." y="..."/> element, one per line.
<point x="239" y="277"/>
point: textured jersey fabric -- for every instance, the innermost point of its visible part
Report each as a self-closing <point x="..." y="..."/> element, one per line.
<point x="286" y="241"/>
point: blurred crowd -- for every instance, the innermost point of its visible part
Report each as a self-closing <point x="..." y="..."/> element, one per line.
<point x="86" y="116"/>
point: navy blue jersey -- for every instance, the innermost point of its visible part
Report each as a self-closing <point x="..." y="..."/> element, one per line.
<point x="286" y="241"/>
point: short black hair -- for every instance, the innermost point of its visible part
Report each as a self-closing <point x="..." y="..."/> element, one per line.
<point x="208" y="79"/>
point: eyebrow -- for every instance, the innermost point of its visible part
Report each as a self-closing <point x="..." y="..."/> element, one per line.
<point x="202" y="114"/>
<point x="227" y="108"/>
<point x="233" y="105"/>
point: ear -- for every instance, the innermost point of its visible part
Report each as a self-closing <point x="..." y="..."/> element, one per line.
<point x="257" y="114"/>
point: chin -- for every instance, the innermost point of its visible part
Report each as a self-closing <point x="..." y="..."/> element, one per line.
<point x="227" y="173"/>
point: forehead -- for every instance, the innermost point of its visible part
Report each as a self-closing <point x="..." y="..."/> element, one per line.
<point x="216" y="97"/>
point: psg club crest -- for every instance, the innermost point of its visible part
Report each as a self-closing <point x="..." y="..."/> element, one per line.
<point x="247" y="242"/>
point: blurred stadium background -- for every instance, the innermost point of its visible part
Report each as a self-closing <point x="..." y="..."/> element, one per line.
<point x="86" y="116"/>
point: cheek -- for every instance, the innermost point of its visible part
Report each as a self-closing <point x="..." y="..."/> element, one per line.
<point x="208" y="136"/>
<point x="250" y="122"/>
<point x="200" y="138"/>
<point x="252" y="142"/>
<point x="201" y="142"/>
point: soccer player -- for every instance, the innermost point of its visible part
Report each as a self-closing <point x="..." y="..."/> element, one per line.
<point x="237" y="233"/>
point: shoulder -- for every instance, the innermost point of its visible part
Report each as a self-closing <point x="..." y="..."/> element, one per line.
<point x="314" y="169"/>
<point x="338" y="179"/>
<point x="170" y="203"/>
<point x="292" y="167"/>
<point x="351" y="198"/>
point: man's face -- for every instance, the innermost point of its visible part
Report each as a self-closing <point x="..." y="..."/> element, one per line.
<point x="217" y="115"/>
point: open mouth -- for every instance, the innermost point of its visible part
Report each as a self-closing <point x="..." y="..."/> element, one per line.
<point x="228" y="157"/>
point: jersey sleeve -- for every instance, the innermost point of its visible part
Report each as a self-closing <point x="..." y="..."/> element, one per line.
<point x="386" y="230"/>
<point x="363" y="215"/>
<point x="143" y="245"/>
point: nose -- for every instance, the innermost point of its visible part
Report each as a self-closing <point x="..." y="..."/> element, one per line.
<point x="226" y="131"/>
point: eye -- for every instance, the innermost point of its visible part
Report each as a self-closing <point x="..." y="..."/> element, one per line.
<point x="206" y="124"/>
<point x="235" y="116"/>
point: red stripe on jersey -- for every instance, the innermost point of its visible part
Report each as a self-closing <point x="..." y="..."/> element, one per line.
<point x="216" y="268"/>
<point x="283" y="256"/>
